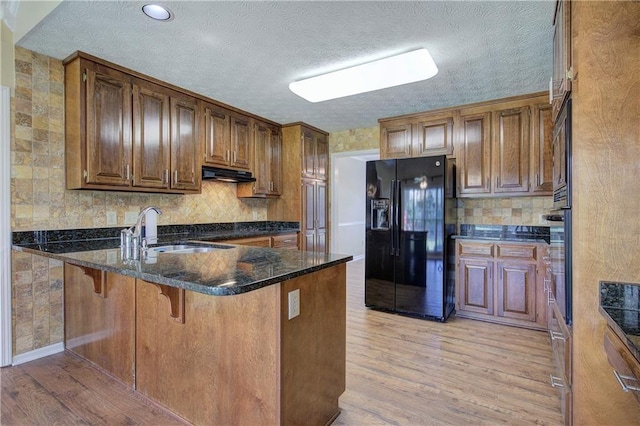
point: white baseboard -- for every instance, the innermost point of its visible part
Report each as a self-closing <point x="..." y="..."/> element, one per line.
<point x="359" y="257"/>
<point x="38" y="353"/>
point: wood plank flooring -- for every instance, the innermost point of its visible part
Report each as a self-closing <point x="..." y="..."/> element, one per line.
<point x="400" y="371"/>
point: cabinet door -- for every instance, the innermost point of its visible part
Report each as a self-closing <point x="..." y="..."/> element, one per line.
<point x="150" y="137"/>
<point x="185" y="164"/>
<point x="307" y="224"/>
<point x="560" y="155"/>
<point x="476" y="286"/>
<point x="108" y="124"/>
<point x="475" y="155"/>
<point x="321" y="217"/>
<point x="241" y="142"/>
<point x="217" y="136"/>
<point x="322" y="156"/>
<point x="275" y="162"/>
<point x="262" y="141"/>
<point x="516" y="290"/>
<point x="562" y="60"/>
<point x="433" y="137"/>
<point x="395" y="141"/>
<point x="308" y="153"/>
<point x="542" y="150"/>
<point x="510" y="151"/>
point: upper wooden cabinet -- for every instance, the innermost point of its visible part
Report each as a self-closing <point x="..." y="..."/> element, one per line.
<point x="315" y="154"/>
<point x="267" y="163"/>
<point x="562" y="56"/>
<point x="501" y="147"/>
<point x="227" y="138"/>
<point x="417" y="135"/>
<point x="126" y="133"/>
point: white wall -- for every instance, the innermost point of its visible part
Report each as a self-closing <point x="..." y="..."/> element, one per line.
<point x="348" y="203"/>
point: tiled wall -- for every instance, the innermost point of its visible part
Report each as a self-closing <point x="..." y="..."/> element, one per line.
<point x="504" y="211"/>
<point x="355" y="139"/>
<point x="39" y="199"/>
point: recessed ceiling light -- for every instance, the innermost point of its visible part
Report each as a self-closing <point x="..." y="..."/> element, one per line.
<point x="393" y="71"/>
<point x="157" y="12"/>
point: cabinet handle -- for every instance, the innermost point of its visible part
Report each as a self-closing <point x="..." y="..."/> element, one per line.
<point x="550" y="298"/>
<point x="227" y="155"/>
<point x="556" y="382"/>
<point x="537" y="179"/>
<point x="165" y="176"/>
<point x="127" y="172"/>
<point x="488" y="183"/>
<point x="175" y="177"/>
<point x="623" y="382"/>
<point x="235" y="156"/>
<point x="547" y="284"/>
<point x="497" y="181"/>
<point x="554" y="335"/>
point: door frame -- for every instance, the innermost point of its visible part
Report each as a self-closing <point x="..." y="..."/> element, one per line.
<point x="6" y="346"/>
<point x="334" y="189"/>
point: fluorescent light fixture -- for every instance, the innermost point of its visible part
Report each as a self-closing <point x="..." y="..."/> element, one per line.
<point x="157" y="12"/>
<point x="394" y="71"/>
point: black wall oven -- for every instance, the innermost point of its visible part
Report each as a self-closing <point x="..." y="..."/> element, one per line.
<point x="560" y="230"/>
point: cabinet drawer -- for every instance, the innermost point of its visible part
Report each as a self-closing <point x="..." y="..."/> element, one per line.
<point x="626" y="366"/>
<point x="513" y="251"/>
<point x="287" y="241"/>
<point x="252" y="241"/>
<point x="475" y="249"/>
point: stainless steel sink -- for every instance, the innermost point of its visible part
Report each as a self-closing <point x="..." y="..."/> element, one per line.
<point x="186" y="248"/>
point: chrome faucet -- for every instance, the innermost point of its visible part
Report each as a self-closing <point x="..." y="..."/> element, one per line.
<point x="137" y="227"/>
<point x="130" y="238"/>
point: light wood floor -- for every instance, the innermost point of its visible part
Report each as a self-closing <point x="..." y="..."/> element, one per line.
<point x="400" y="370"/>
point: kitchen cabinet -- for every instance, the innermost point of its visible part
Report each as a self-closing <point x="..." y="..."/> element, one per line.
<point x="562" y="57"/>
<point x="286" y="241"/>
<point x="125" y="133"/>
<point x="561" y="347"/>
<point x="314" y="220"/>
<point x="417" y="135"/>
<point x="228" y="138"/>
<point x="542" y="149"/>
<point x="303" y="199"/>
<point x="99" y="319"/>
<point x="560" y="140"/>
<point x="499" y="282"/>
<point x="315" y="154"/>
<point x="474" y="161"/>
<point x="626" y="366"/>
<point x="267" y="163"/>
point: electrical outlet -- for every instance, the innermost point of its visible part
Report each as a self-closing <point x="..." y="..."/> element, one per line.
<point x="255" y="215"/>
<point x="294" y="303"/>
<point x="130" y="218"/>
<point x="112" y="218"/>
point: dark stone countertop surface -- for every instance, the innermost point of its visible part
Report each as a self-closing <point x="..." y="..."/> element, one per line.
<point x="229" y="270"/>
<point x="513" y="233"/>
<point x="620" y="303"/>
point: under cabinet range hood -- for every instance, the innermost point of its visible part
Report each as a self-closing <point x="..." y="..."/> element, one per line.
<point x="224" y="175"/>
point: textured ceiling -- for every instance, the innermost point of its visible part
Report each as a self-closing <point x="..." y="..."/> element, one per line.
<point x="246" y="53"/>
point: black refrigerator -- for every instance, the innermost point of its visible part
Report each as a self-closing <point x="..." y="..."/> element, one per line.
<point x="410" y="219"/>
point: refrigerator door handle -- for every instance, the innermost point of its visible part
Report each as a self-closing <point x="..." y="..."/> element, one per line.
<point x="396" y="225"/>
<point x="392" y="217"/>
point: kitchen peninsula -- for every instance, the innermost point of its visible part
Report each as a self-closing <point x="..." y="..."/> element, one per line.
<point x="211" y="335"/>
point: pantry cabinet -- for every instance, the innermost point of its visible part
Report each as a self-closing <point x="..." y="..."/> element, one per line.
<point x="304" y="199"/>
<point x="499" y="282"/>
<point x="562" y="57"/>
<point x="125" y="133"/>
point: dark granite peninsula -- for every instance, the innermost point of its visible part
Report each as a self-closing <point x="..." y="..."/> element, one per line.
<point x="211" y="335"/>
<point x="620" y="305"/>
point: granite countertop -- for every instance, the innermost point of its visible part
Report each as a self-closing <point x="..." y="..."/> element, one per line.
<point x="620" y="304"/>
<point x="514" y="233"/>
<point x="232" y="269"/>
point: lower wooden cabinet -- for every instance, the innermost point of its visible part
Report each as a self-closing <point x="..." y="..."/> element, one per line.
<point x="499" y="282"/>
<point x="561" y="347"/>
<point x="286" y="241"/>
<point x="626" y="366"/>
<point x="99" y="310"/>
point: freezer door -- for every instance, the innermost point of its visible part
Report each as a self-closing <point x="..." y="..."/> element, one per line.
<point x="379" y="242"/>
<point x="420" y="256"/>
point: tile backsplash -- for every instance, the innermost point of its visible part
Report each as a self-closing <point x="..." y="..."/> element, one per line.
<point x="504" y="211"/>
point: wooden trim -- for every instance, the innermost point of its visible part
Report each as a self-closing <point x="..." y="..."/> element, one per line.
<point x="302" y="124"/>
